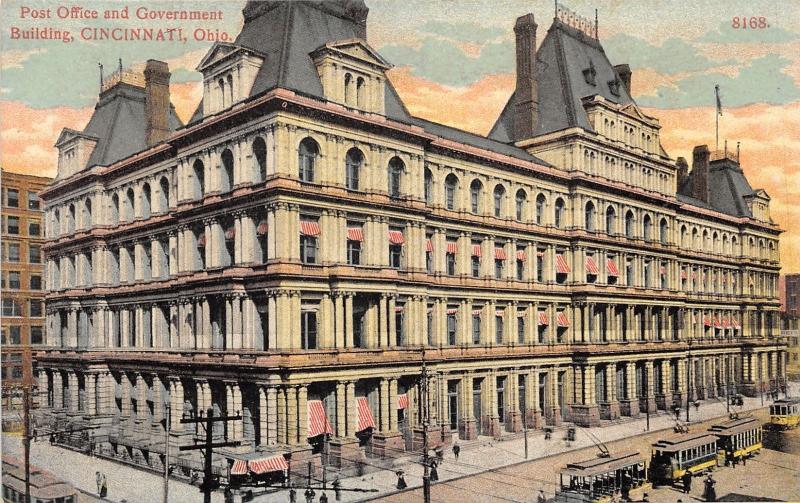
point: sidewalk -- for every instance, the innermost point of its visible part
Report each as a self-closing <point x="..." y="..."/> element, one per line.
<point x="486" y="453"/>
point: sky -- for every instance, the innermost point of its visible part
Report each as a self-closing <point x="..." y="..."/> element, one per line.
<point x="454" y="64"/>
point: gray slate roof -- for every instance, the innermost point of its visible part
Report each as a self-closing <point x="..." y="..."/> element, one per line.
<point x="118" y="123"/>
<point x="728" y="189"/>
<point x="561" y="59"/>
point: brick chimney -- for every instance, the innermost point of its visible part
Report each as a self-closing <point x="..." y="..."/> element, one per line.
<point x="683" y="170"/>
<point x="526" y="106"/>
<point x="624" y="72"/>
<point x="156" y="104"/>
<point x="700" y="169"/>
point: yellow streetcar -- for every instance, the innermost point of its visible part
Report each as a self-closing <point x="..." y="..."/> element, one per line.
<point x="784" y="414"/>
<point x="602" y="479"/>
<point x="672" y="457"/>
<point x="738" y="438"/>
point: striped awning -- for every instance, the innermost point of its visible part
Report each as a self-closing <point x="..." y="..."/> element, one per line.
<point x="399" y="309"/>
<point x="476" y="250"/>
<point x="317" y="420"/>
<point x="707" y="321"/>
<point x="201" y="241"/>
<point x="239" y="467"/>
<point x="521" y="255"/>
<point x="611" y="267"/>
<point x="230" y="233"/>
<point x="726" y="323"/>
<point x="355" y="234"/>
<point x="735" y="324"/>
<point x="476" y="312"/>
<point x="365" y="419"/>
<point x="402" y="401"/>
<point x="262" y="228"/>
<point x="452" y="247"/>
<point x="429" y="245"/>
<point x="452" y="311"/>
<point x="396" y="237"/>
<point x="683" y="274"/>
<point x="561" y="264"/>
<point x="521" y="313"/>
<point x="662" y="270"/>
<point x="562" y="320"/>
<point x="499" y="253"/>
<point x="309" y="228"/>
<point x="724" y="279"/>
<point x="499" y="312"/>
<point x="544" y="320"/>
<point x="591" y="265"/>
<point x="269" y="464"/>
<point x="717" y="322"/>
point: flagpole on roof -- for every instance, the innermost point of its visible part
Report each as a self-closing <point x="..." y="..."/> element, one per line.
<point x="718" y="112"/>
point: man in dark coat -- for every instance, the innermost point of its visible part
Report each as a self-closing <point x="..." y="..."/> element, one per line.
<point x="687" y="482"/>
<point x="434" y="475"/>
<point x="710" y="494"/>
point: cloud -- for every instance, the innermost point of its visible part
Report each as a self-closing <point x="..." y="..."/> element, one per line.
<point x="15" y="57"/>
<point x="727" y="34"/>
<point x="674" y="55"/>
<point x="463" y="32"/>
<point x="445" y="62"/>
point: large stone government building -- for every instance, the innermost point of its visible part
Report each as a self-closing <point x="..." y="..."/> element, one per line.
<point x="301" y="246"/>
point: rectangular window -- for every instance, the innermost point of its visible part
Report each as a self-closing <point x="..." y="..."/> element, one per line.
<point x="13" y="252"/>
<point x="12" y="198"/>
<point x="14" y="337"/>
<point x="647" y="274"/>
<point x="476" y="266"/>
<point x="499" y="266"/>
<point x="520" y="328"/>
<point x="308" y="249"/>
<point x="36" y="282"/>
<point x="451" y="329"/>
<point x="12" y="307"/>
<point x="34" y="229"/>
<point x="308" y="329"/>
<point x="520" y="270"/>
<point x="37" y="336"/>
<point x="12" y="225"/>
<point x="14" y="282"/>
<point x="33" y="201"/>
<point x="429" y="262"/>
<point x="353" y="252"/>
<point x="36" y="309"/>
<point x="476" y="328"/>
<point x="395" y="256"/>
<point x="629" y="273"/>
<point x="498" y="329"/>
<point x="450" y="260"/>
<point x="34" y="254"/>
<point x="540" y="266"/>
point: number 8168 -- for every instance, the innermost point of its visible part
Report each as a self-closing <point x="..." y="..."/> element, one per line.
<point x="752" y="22"/>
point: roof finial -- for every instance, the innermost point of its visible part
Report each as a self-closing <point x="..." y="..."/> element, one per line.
<point x="100" y="65"/>
<point x="555" y="14"/>
<point x="120" y="66"/>
<point x="738" y="144"/>
<point x="596" y="30"/>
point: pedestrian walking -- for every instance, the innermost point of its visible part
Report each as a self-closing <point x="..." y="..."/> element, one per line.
<point x="456" y="450"/>
<point x="439" y="451"/>
<point x="710" y="494"/>
<point x="323" y="498"/>
<point x="337" y="489"/>
<point x="645" y="498"/>
<point x="102" y="484"/>
<point x="434" y="475"/>
<point x="292" y="494"/>
<point x="309" y="494"/>
<point x="401" y="480"/>
<point x="687" y="482"/>
<point x="541" y="498"/>
<point x="626" y="486"/>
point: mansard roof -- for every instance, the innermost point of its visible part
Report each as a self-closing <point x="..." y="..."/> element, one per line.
<point x="561" y="60"/>
<point x="728" y="192"/>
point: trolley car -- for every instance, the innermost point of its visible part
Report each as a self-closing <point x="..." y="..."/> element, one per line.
<point x="599" y="479"/>
<point x="673" y="457"/>
<point x="738" y="438"/>
<point x="44" y="487"/>
<point x="784" y="414"/>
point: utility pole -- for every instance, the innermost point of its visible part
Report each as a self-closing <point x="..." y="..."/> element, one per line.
<point x="688" y="385"/>
<point x="166" y="453"/>
<point x="26" y="440"/>
<point x="426" y="476"/>
<point x="208" y="446"/>
<point x="525" y="433"/>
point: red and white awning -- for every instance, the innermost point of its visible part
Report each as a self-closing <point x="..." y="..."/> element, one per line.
<point x="317" y="420"/>
<point x="355" y="234"/>
<point x="365" y="419"/>
<point x="476" y="250"/>
<point x="429" y="245"/>
<point x="561" y="264"/>
<point x="521" y="255"/>
<point x="611" y="267"/>
<point x="500" y="312"/>
<point x="544" y="320"/>
<point x="402" y="401"/>
<point x="239" y="467"/>
<point x="735" y="324"/>
<point x="262" y="228"/>
<point x="707" y="321"/>
<point x="452" y="247"/>
<point x="562" y="320"/>
<point x="726" y="323"/>
<point x="591" y="266"/>
<point x="269" y="464"/>
<point x="230" y="233"/>
<point x="396" y="237"/>
<point x="662" y="270"/>
<point x="477" y="312"/>
<point x="499" y="253"/>
<point x="201" y="241"/>
<point x="717" y="322"/>
<point x="309" y="228"/>
<point x="521" y="313"/>
<point x="683" y="274"/>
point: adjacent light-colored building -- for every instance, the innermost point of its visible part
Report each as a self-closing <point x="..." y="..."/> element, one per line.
<point x="301" y="246"/>
<point x="23" y="285"/>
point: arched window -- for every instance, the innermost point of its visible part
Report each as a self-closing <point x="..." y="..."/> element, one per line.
<point x="307" y="159"/>
<point x="361" y="95"/>
<point x="611" y="221"/>
<point x="129" y="205"/>
<point x="540" y="202"/>
<point x="396" y="168"/>
<point x="588" y="216"/>
<point x="428" y="186"/>
<point x="647" y="227"/>
<point x="71" y="221"/>
<point x="230" y="90"/>
<point x="87" y="213"/>
<point x="715" y="242"/>
<point x="521" y="199"/>
<point x="146" y="200"/>
<point x="260" y="157"/>
<point x="348" y="89"/>
<point x="499" y="194"/>
<point x="629" y="224"/>
<point x="227" y="170"/>
<point x="475" y="189"/>
<point x="450" y="188"/>
<point x="199" y="178"/>
<point x="663" y="233"/>
<point x="684" y="235"/>
<point x="114" y="210"/>
<point x="353" y="162"/>
<point x="164" y="184"/>
<point x="221" y="83"/>
<point x="559" y="213"/>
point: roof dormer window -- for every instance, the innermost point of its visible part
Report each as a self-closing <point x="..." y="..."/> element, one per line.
<point x="590" y="73"/>
<point x="228" y="75"/>
<point x="613" y="86"/>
